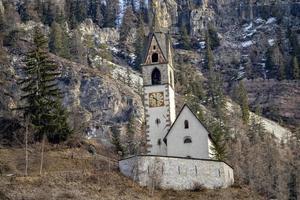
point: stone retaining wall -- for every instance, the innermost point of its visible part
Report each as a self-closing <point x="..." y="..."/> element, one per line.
<point x="177" y="173"/>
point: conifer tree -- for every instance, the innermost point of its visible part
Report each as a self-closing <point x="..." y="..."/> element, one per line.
<point x="296" y="69"/>
<point x="213" y="37"/>
<point x="116" y="141"/>
<point x="218" y="149"/>
<point x="243" y="101"/>
<point x="128" y="77"/>
<point x="208" y="54"/>
<point x="139" y="44"/>
<point x="185" y="39"/>
<point x="111" y="13"/>
<point x="41" y="94"/>
<point x="128" y="22"/>
<point x="130" y="146"/>
<point x="77" y="49"/>
<point x="55" y="39"/>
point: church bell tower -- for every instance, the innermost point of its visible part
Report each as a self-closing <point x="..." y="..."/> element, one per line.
<point x="159" y="96"/>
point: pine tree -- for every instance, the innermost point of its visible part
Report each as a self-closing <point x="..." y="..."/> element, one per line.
<point x="296" y="69"/>
<point x="116" y="141"/>
<point x="55" y="39"/>
<point x="215" y="93"/>
<point x="130" y="147"/>
<point x="213" y="37"/>
<point x="41" y="94"/>
<point x="111" y="13"/>
<point x="139" y="44"/>
<point x="218" y="149"/>
<point x="209" y="55"/>
<point x="2" y="22"/>
<point x="185" y="39"/>
<point x="80" y="11"/>
<point x="128" y="22"/>
<point x="243" y="101"/>
<point x="77" y="49"/>
<point x="59" y="41"/>
<point x="128" y="77"/>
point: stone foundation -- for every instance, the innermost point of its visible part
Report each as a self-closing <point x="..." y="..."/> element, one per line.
<point x="177" y="173"/>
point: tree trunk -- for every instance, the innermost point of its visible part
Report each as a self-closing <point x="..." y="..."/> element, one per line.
<point x="26" y="146"/>
<point x="42" y="154"/>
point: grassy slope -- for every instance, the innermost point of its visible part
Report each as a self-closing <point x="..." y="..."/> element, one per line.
<point x="75" y="174"/>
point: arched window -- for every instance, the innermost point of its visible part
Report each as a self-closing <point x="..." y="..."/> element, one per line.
<point x="154" y="57"/>
<point x="186" y="124"/>
<point x="187" y="140"/>
<point x="156" y="77"/>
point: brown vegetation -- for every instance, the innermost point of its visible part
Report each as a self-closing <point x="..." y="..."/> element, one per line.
<point x="77" y="174"/>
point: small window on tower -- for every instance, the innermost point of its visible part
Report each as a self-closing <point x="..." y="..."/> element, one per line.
<point x="186" y="124"/>
<point x="154" y="57"/>
<point x="157" y="121"/>
<point x="159" y="142"/>
<point x="154" y="47"/>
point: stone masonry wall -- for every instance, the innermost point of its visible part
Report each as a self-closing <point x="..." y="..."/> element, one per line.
<point x="177" y="173"/>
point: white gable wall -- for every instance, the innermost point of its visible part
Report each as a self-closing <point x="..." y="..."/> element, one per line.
<point x="199" y="148"/>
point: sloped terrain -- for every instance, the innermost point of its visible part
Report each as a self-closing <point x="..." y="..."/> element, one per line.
<point x="77" y="174"/>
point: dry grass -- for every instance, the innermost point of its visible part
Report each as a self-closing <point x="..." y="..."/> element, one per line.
<point x="75" y="174"/>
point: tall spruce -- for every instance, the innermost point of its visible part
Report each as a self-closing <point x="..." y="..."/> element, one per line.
<point x="296" y="69"/>
<point x="128" y="22"/>
<point x="208" y="54"/>
<point x="218" y="148"/>
<point x="243" y="101"/>
<point x="41" y="95"/>
<point x="111" y="13"/>
<point x="139" y="44"/>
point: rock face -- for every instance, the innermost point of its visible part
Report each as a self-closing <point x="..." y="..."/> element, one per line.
<point x="101" y="35"/>
<point x="104" y="102"/>
<point x="95" y="101"/>
<point x="166" y="12"/>
<point x="278" y="100"/>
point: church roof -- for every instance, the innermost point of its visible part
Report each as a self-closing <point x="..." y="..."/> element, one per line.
<point x="185" y="106"/>
<point x="163" y="40"/>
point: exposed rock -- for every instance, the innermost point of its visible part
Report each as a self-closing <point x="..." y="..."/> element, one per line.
<point x="278" y="100"/>
<point x="102" y="35"/>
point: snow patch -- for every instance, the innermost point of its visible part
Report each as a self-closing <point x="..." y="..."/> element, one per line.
<point x="271" y="42"/>
<point x="247" y="44"/>
<point x="247" y="28"/>
<point x="259" y="21"/>
<point x="271" y="20"/>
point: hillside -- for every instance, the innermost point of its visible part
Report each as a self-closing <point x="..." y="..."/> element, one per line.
<point x="77" y="174"/>
<point x="236" y="65"/>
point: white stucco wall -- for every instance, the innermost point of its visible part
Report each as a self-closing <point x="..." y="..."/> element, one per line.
<point x="158" y="131"/>
<point x="172" y="104"/>
<point x="177" y="173"/>
<point x="199" y="147"/>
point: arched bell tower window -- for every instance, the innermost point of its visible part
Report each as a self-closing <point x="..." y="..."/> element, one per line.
<point x="154" y="57"/>
<point x="186" y="124"/>
<point x="156" y="77"/>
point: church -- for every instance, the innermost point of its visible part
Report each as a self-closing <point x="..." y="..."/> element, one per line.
<point x="178" y="146"/>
